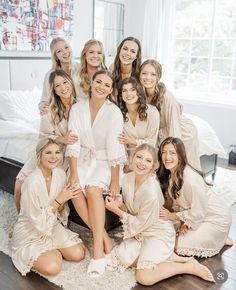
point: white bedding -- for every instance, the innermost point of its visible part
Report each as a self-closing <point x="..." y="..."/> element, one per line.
<point x="19" y="123"/>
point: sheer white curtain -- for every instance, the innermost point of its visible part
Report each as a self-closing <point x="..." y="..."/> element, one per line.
<point x="158" y="34"/>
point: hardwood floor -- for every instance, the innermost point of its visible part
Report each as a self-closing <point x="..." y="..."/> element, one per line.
<point x="10" y="279"/>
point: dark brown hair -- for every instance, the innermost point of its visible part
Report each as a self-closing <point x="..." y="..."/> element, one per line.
<point x="163" y="174"/>
<point x="142" y="106"/>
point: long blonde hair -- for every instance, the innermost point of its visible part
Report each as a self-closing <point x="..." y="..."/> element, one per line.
<point x="56" y="64"/>
<point x="83" y="72"/>
<point x="56" y="106"/>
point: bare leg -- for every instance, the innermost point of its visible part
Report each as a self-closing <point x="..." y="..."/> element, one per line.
<point x="81" y="206"/>
<point x="49" y="263"/>
<point x="96" y="209"/>
<point x="168" y="269"/>
<point x="17" y="193"/>
<point x="74" y="253"/>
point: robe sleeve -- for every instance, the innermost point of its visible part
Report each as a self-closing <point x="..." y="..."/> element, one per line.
<point x="73" y="150"/>
<point x="148" y="209"/>
<point x="38" y="212"/>
<point x="46" y="88"/>
<point x="172" y="115"/>
<point x="152" y="129"/>
<point x="46" y="127"/>
<point x="115" y="151"/>
<point x="197" y="197"/>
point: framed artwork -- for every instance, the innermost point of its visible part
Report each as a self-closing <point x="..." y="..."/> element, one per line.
<point x="30" y="25"/>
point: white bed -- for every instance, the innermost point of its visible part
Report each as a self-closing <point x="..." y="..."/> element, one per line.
<point x="19" y="123"/>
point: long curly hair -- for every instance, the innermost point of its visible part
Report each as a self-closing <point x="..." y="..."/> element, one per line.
<point x="107" y="73"/>
<point x="142" y="106"/>
<point x="163" y="174"/>
<point x="56" y="64"/>
<point x="160" y="88"/>
<point x="116" y="73"/>
<point x="57" y="108"/>
<point x="83" y="71"/>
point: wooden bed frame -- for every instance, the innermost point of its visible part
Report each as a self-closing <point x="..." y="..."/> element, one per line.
<point x="10" y="168"/>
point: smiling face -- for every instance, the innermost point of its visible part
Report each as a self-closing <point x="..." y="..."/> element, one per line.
<point x="128" y="52"/>
<point x="94" y="55"/>
<point x="62" y="52"/>
<point x="50" y="157"/>
<point x="62" y="87"/>
<point x="129" y="94"/>
<point x="148" y="76"/>
<point x="101" y="86"/>
<point x="169" y="157"/>
<point x="143" y="163"/>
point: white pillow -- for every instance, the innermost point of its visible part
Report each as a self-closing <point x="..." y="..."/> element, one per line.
<point x="20" y="105"/>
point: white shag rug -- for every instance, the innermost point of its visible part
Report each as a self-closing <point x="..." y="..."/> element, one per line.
<point x="73" y="275"/>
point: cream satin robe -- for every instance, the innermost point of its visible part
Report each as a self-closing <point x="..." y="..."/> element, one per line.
<point x="175" y="124"/>
<point x="98" y="148"/>
<point x="143" y="131"/>
<point x="146" y="237"/>
<point x="46" y="93"/>
<point x="38" y="229"/>
<point x="206" y="215"/>
<point x="50" y="130"/>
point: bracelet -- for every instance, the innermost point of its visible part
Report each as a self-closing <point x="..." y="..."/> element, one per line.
<point x="57" y="201"/>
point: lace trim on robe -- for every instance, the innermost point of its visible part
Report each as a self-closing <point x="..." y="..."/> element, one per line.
<point x="125" y="226"/>
<point x="186" y="221"/>
<point x="72" y="153"/>
<point x="146" y="265"/>
<point x="50" y="219"/>
<point x="118" y="161"/>
<point x="201" y="253"/>
<point x="114" y="263"/>
<point x="21" y="176"/>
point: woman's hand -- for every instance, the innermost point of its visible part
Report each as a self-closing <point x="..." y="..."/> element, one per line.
<point x="183" y="229"/>
<point x="165" y="214"/>
<point x="43" y="107"/>
<point x="69" y="192"/>
<point x="70" y="138"/>
<point x="114" y="189"/>
<point x="110" y="203"/>
<point x="125" y="139"/>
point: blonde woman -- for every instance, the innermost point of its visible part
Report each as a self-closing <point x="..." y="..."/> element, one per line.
<point x="54" y="124"/>
<point x="92" y="58"/>
<point x="149" y="241"/>
<point x="40" y="238"/>
<point x="62" y="58"/>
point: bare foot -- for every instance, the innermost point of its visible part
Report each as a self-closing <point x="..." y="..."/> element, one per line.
<point x="179" y="259"/>
<point x="109" y="244"/>
<point x="197" y="269"/>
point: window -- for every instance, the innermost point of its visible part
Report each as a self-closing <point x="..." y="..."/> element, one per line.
<point x="205" y="47"/>
<point x="109" y="24"/>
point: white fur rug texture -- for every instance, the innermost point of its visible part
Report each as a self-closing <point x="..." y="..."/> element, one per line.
<point x="74" y="275"/>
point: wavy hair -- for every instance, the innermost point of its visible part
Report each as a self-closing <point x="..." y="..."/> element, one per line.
<point x="142" y="106"/>
<point x="56" y="64"/>
<point x="83" y="71"/>
<point x="57" y="108"/>
<point x="163" y="174"/>
<point x="107" y="73"/>
<point x="160" y="88"/>
<point x="116" y="73"/>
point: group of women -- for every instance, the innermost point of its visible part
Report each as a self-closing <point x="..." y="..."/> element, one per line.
<point x="105" y="128"/>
